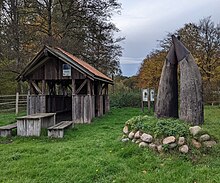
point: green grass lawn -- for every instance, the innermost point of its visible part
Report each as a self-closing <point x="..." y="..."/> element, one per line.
<point x="94" y="153"/>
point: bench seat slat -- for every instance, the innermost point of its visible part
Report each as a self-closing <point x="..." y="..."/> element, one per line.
<point x="58" y="129"/>
<point x="61" y="125"/>
<point x="64" y="125"/>
<point x="9" y="127"/>
<point x="6" y="130"/>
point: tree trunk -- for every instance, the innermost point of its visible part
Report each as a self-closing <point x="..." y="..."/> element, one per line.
<point x="49" y="22"/>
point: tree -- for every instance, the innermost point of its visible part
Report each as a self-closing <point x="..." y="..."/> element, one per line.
<point x="150" y="70"/>
<point x="16" y="36"/>
<point x="87" y="32"/>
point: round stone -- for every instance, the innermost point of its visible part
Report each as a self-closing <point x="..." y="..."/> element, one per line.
<point x="184" y="149"/>
<point x="146" y="138"/>
<point x="169" y="140"/>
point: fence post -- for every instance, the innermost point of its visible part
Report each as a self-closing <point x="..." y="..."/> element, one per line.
<point x="16" y="103"/>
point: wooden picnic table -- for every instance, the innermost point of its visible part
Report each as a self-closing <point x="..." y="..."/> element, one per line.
<point x="31" y="125"/>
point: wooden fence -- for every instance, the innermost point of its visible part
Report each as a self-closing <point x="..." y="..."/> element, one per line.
<point x="13" y="103"/>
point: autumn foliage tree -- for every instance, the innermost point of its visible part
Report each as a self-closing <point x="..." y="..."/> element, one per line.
<point x="150" y="70"/>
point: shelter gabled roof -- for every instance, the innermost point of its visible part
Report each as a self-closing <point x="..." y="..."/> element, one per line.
<point x="66" y="57"/>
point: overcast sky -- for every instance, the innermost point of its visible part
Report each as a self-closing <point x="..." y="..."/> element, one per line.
<point x="143" y="22"/>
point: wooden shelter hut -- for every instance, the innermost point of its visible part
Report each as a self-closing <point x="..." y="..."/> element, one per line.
<point x="66" y="85"/>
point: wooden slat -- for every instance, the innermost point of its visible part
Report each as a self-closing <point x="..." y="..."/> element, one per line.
<point x="8" y="127"/>
<point x="86" y="110"/>
<point x="73" y="87"/>
<point x="37" y="115"/>
<point x="64" y="124"/>
<point x="81" y="109"/>
<point x="61" y="125"/>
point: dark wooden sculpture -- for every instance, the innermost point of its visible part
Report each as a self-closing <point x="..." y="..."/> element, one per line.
<point x="191" y="101"/>
<point x="167" y="98"/>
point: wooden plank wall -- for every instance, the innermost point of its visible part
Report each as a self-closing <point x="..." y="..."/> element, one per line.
<point x="52" y="70"/>
<point x="83" y="108"/>
<point x="36" y="104"/>
<point x="28" y="127"/>
<point x="106" y="103"/>
<point x="99" y="105"/>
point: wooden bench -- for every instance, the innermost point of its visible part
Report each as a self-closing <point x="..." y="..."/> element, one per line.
<point x="57" y="130"/>
<point x="31" y="125"/>
<point x="6" y="130"/>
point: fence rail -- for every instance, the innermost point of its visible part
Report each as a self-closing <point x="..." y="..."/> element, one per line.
<point x="14" y="103"/>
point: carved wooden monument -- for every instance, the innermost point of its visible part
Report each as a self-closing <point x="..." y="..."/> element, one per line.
<point x="191" y="101"/>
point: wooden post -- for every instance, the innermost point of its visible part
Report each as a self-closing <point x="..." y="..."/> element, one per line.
<point x="43" y="89"/>
<point x="31" y="87"/>
<point x="106" y="92"/>
<point x="73" y="87"/>
<point x="88" y="87"/>
<point x="142" y="102"/>
<point x="92" y="88"/>
<point x="148" y="101"/>
<point x="74" y="103"/>
<point x="16" y="103"/>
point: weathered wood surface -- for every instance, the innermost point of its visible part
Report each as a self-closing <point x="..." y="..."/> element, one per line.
<point x="167" y="98"/>
<point x="107" y="103"/>
<point x="37" y="116"/>
<point x="83" y="108"/>
<point x="55" y="67"/>
<point x="99" y="105"/>
<point x="6" y="130"/>
<point x="57" y="130"/>
<point x="31" y="125"/>
<point x="191" y="101"/>
<point x="36" y="104"/>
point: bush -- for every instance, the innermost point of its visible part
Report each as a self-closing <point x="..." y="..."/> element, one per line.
<point x="143" y="123"/>
<point x="158" y="128"/>
<point x="169" y="127"/>
<point x="125" y="99"/>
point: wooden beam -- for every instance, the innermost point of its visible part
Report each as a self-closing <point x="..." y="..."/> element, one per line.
<point x="81" y="86"/>
<point x="92" y="88"/>
<point x="43" y="87"/>
<point x="36" y="87"/>
<point x="99" y="89"/>
<point x="106" y="88"/>
<point x="73" y="87"/>
<point x="89" y="87"/>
